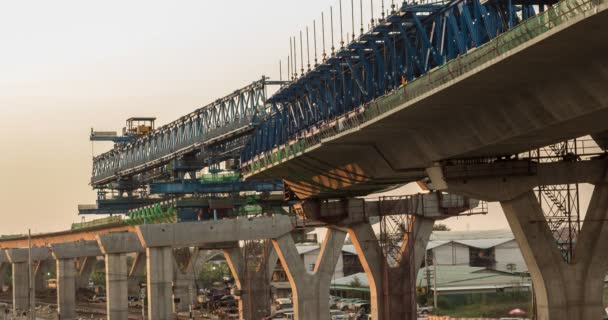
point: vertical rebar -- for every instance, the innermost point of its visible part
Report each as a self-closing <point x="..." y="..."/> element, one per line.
<point x="314" y="31"/>
<point x="361" y="13"/>
<point x="324" y="55"/>
<point x="341" y="31"/>
<point x="372" y="7"/>
<point x="352" y="9"/>
<point x="280" y="71"/>
<point x="288" y="66"/>
<point x="307" y="48"/>
<point x="295" y="58"/>
<point x="301" y="55"/>
<point x="290" y="60"/>
<point x="382" y="9"/>
<point x="331" y="18"/>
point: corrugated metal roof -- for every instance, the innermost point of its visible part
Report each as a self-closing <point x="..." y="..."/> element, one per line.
<point x="349" y="248"/>
<point x="454" y="278"/>
<point x="303" y="249"/>
<point x="471" y="235"/>
<point x="346" y="281"/>
<point x="467" y="276"/>
<point x="484" y="243"/>
<point x="436" y="243"/>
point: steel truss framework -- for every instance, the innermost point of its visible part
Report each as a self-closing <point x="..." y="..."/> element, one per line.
<point x="560" y="203"/>
<point x="407" y="44"/>
<point x="214" y="130"/>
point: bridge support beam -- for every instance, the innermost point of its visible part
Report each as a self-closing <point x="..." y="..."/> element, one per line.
<point x="159" y="265"/>
<point x="116" y="286"/>
<point x="66" y="289"/>
<point x="20" y="287"/>
<point x="19" y="260"/>
<point x="254" y="285"/>
<point x="115" y="248"/>
<point x="65" y="255"/>
<point x="392" y="288"/>
<point x="562" y="290"/>
<point x="310" y="291"/>
<point x="4" y="269"/>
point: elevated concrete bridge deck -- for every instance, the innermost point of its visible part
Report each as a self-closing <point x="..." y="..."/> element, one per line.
<point x="538" y="84"/>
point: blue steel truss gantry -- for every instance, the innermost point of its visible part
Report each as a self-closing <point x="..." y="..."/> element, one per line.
<point x="407" y="44"/>
<point x="215" y="131"/>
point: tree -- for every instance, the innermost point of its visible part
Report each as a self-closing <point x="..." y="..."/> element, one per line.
<point x="440" y="227"/>
<point x="98" y="278"/>
<point x="212" y="272"/>
<point x="356" y="283"/>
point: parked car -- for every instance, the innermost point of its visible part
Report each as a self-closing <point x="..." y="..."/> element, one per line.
<point x="424" y="310"/>
<point x="337" y="315"/>
<point x="356" y="304"/>
<point x="228" y="301"/>
<point x="363" y="305"/>
<point x="101" y="297"/>
<point x="280" y="315"/>
<point x="283" y="303"/>
<point x="344" y="304"/>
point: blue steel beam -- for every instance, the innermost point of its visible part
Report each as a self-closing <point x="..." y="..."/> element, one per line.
<point x="196" y="187"/>
<point x="115" y="206"/>
<point x="210" y="128"/>
<point x="403" y="47"/>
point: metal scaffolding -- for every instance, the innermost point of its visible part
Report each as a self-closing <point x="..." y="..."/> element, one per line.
<point x="560" y="203"/>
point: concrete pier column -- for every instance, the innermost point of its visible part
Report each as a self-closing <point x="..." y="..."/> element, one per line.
<point x="159" y="239"/>
<point x="66" y="289"/>
<point x="563" y="291"/>
<point x="253" y="284"/>
<point x="115" y="247"/>
<point x="19" y="259"/>
<point x="184" y="278"/>
<point x="66" y="254"/>
<point x="392" y="287"/>
<point x="4" y="269"/>
<point x="159" y="264"/>
<point x="20" y="287"/>
<point x="116" y="286"/>
<point x="310" y="291"/>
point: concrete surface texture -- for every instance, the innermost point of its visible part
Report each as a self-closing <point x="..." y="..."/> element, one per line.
<point x="529" y="96"/>
<point x="189" y="234"/>
<point x="310" y="291"/>
<point x="562" y="290"/>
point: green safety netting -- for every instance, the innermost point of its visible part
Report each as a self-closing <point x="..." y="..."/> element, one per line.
<point x="154" y="214"/>
<point x="220" y="177"/>
<point x="97" y="222"/>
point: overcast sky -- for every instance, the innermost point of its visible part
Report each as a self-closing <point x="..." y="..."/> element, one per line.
<point x="67" y="66"/>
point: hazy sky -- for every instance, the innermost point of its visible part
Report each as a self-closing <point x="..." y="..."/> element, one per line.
<point x="67" y="66"/>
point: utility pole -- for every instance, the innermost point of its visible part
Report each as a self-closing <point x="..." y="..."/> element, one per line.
<point x="428" y="275"/>
<point x="435" y="282"/>
<point x="30" y="277"/>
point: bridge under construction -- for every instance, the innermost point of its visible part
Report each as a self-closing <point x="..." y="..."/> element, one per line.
<point x="476" y="101"/>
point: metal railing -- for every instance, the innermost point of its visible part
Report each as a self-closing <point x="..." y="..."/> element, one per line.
<point x="529" y="29"/>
